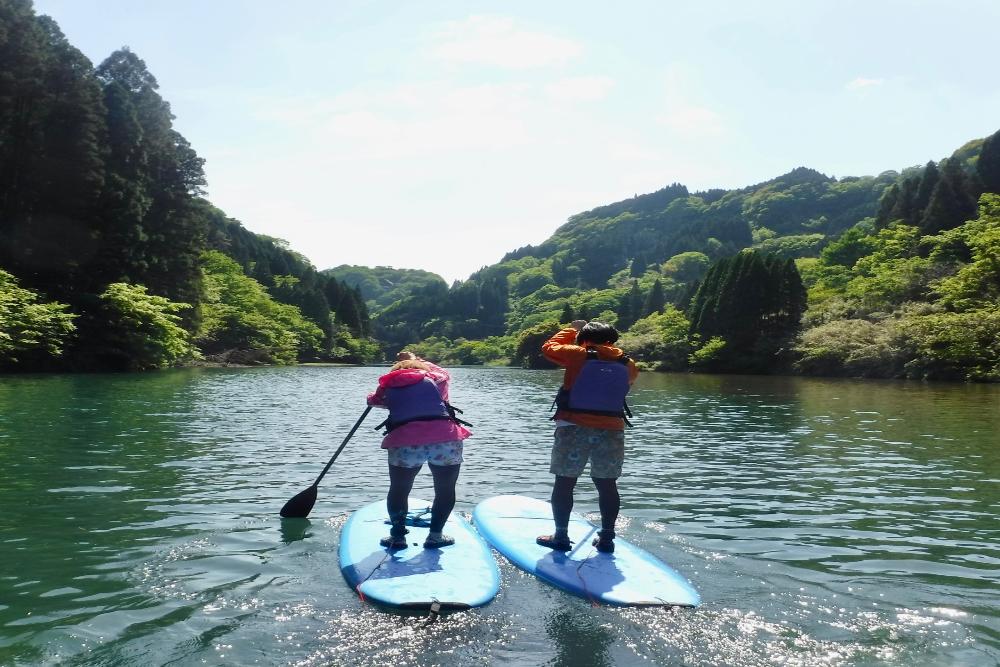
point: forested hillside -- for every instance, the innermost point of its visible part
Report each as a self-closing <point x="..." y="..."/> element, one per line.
<point x="108" y="251"/>
<point x="383" y="285"/>
<point x="718" y="280"/>
<point x="112" y="258"/>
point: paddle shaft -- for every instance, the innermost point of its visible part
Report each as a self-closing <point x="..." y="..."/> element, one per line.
<point x="356" y="426"/>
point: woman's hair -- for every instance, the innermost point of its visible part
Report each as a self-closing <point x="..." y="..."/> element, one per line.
<point x="597" y="333"/>
<point x="410" y="363"/>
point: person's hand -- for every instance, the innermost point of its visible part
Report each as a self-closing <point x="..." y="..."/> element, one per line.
<point x="578" y="324"/>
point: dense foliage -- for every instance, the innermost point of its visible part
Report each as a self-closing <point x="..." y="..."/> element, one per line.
<point x="753" y="303"/>
<point x="383" y="285"/>
<point x="143" y="330"/>
<point x="101" y="211"/>
<point x="110" y="257"/>
<point x="910" y="305"/>
<point x="29" y="327"/>
<point x="898" y="278"/>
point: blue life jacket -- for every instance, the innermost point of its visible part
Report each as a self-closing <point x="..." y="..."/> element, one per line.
<point x="420" y="401"/>
<point x="599" y="389"/>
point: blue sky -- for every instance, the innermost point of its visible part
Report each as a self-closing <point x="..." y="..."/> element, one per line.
<point x="440" y="135"/>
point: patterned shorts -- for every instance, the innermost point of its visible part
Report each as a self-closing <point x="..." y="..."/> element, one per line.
<point x="575" y="445"/>
<point x="438" y="454"/>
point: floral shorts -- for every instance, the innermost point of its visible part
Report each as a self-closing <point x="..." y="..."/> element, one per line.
<point x="575" y="445"/>
<point x="438" y="454"/>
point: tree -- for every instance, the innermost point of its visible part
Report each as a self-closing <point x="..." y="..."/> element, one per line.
<point x="630" y="307"/>
<point x="567" y="314"/>
<point x="145" y="331"/>
<point x="153" y="229"/>
<point x="240" y="316"/>
<point x="51" y="170"/>
<point x="528" y="352"/>
<point x="31" y="330"/>
<point x="655" y="300"/>
<point x="951" y="202"/>
<point x="753" y="303"/>
<point x="928" y="181"/>
<point x="659" y="339"/>
<point x="988" y="164"/>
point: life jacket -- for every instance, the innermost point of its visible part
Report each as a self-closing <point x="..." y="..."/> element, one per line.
<point x="599" y="389"/>
<point x="420" y="401"/>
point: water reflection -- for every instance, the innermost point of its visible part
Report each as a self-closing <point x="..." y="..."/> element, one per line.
<point x="823" y="521"/>
<point x="579" y="639"/>
<point x="293" y="530"/>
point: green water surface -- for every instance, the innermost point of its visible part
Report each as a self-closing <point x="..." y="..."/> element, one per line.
<point x="831" y="522"/>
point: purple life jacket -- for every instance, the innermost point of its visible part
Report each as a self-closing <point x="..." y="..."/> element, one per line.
<point x="599" y="389"/>
<point x="420" y="401"/>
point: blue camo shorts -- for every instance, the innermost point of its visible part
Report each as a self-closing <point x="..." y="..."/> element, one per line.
<point x="575" y="445"/>
<point x="438" y="453"/>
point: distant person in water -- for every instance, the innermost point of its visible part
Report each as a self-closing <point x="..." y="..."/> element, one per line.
<point x="590" y="424"/>
<point x="421" y="428"/>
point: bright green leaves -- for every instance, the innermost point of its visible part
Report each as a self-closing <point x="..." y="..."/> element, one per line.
<point x="144" y="329"/>
<point x="29" y="325"/>
<point x="240" y="316"/>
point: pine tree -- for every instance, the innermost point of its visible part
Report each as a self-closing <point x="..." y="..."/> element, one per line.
<point x="988" y="165"/>
<point x="656" y="301"/>
<point x="51" y="169"/>
<point x="951" y="202"/>
<point x="905" y="207"/>
<point x="630" y="308"/>
<point x="567" y="314"/>
<point x="886" y="205"/>
<point x="638" y="266"/>
<point x="755" y="303"/>
<point x="348" y="312"/>
<point x="364" y="318"/>
<point x="154" y="232"/>
<point x="928" y="181"/>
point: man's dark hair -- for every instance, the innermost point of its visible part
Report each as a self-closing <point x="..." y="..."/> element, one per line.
<point x="597" y="333"/>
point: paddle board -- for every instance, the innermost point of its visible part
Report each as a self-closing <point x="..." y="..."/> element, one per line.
<point x="627" y="577"/>
<point x="459" y="576"/>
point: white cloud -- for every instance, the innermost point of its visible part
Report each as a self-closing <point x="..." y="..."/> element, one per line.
<point x="692" y="120"/>
<point x="684" y="112"/>
<point x="861" y="82"/>
<point x="498" y="41"/>
<point x="471" y="170"/>
<point x="398" y="122"/>
<point x="579" y="89"/>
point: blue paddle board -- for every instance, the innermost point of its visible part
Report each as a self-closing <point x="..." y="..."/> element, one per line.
<point x="459" y="576"/>
<point x="627" y="577"/>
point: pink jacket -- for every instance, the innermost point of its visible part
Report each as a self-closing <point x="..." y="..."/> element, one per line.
<point x="419" y="432"/>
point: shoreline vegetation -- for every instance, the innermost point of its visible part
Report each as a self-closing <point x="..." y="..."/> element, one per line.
<point x="112" y="259"/>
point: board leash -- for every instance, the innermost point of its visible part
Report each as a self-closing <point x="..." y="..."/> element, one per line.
<point x="434" y="613"/>
<point x="591" y="598"/>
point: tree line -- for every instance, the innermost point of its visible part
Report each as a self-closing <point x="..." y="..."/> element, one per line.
<point x="803" y="273"/>
<point x="106" y="241"/>
<point x="111" y="257"/>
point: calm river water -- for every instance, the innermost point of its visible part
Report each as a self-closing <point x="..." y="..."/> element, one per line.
<point x="829" y="522"/>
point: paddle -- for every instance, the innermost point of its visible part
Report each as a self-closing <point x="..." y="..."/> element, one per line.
<point x="302" y="503"/>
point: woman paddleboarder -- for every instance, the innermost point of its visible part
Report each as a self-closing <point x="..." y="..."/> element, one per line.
<point x="421" y="428"/>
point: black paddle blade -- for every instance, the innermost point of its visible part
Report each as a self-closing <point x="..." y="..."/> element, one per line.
<point x="300" y="505"/>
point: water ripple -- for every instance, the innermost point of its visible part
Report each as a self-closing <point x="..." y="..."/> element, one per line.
<point x="824" y="522"/>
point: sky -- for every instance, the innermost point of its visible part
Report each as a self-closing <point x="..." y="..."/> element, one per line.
<point x="441" y="135"/>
